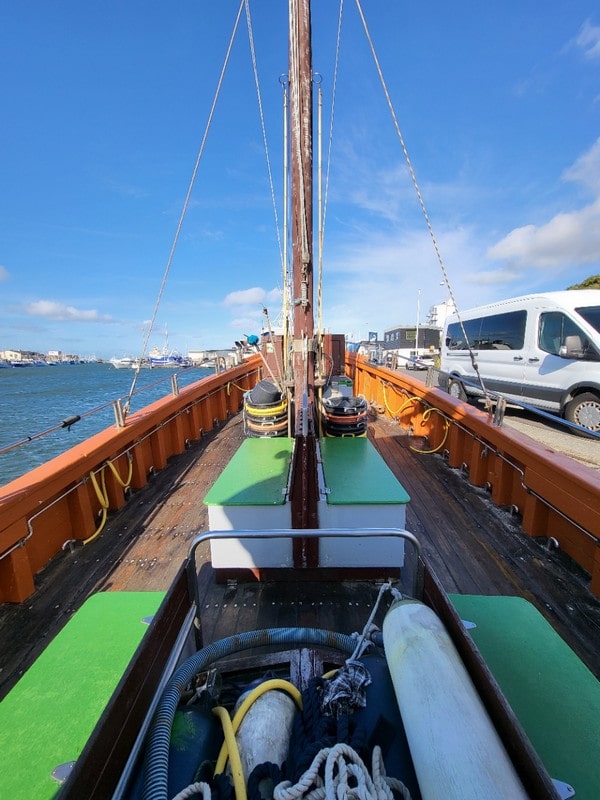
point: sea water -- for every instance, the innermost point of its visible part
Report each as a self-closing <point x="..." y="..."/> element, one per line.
<point x="36" y="399"/>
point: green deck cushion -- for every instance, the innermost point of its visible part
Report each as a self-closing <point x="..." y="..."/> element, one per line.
<point x="257" y="475"/>
<point x="47" y="717"/>
<point x="356" y="474"/>
<point x="554" y="695"/>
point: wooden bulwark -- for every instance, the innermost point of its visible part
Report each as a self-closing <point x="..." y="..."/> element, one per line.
<point x="66" y="500"/>
<point x="59" y="504"/>
<point x="555" y="496"/>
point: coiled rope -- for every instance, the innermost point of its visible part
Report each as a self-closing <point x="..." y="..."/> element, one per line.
<point x="195" y="789"/>
<point x="346" y="778"/>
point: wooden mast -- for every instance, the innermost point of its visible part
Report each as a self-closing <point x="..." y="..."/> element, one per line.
<point x="300" y="76"/>
<point x="304" y="488"/>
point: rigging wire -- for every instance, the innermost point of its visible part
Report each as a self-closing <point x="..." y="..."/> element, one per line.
<point x="287" y="291"/>
<point x="418" y="192"/>
<point x="324" y="195"/>
<point x="332" y="116"/>
<point x="186" y="201"/>
<point x="262" y="123"/>
<point x="320" y="227"/>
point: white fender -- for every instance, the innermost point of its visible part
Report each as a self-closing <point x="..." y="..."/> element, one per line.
<point x="455" y="748"/>
<point x="265" y="731"/>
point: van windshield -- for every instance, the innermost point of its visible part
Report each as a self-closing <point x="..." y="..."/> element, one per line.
<point x="591" y="315"/>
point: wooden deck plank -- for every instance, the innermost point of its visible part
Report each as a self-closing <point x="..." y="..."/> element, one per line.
<point x="472" y="547"/>
<point x="476" y="548"/>
<point x="139" y="550"/>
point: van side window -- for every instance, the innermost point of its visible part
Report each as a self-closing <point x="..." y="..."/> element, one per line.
<point x="591" y="315"/>
<point x="551" y="331"/>
<point x="558" y="331"/>
<point x="494" y="332"/>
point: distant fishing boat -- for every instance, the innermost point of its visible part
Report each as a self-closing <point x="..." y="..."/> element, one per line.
<point x="125" y="362"/>
<point x="165" y="358"/>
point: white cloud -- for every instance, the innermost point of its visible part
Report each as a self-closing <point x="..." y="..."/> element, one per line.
<point x="496" y="277"/>
<point x="245" y="297"/>
<point x="586" y="169"/>
<point x="569" y="237"/>
<point x="377" y="283"/>
<point x="248" y="305"/>
<point x="246" y="325"/>
<point x="50" y="309"/>
<point x="253" y="297"/>
<point x="588" y="40"/>
<point x="3" y="273"/>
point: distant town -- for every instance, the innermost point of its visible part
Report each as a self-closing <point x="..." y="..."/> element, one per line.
<point x="31" y="358"/>
<point x="404" y="341"/>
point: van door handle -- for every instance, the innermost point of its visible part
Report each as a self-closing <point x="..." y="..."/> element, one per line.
<point x="533" y="360"/>
<point x="517" y="358"/>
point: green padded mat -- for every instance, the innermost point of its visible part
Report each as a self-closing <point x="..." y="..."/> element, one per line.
<point x="255" y="476"/>
<point x="554" y="695"/>
<point x="356" y="474"/>
<point x="48" y="716"/>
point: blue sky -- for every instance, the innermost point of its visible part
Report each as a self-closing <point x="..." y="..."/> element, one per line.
<point x="102" y="110"/>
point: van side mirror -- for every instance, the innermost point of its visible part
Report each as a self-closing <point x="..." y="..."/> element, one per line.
<point x="571" y="348"/>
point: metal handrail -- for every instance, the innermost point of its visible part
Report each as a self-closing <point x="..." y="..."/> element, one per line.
<point x="308" y="533"/>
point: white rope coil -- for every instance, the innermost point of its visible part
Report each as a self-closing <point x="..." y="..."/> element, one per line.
<point x="343" y="766"/>
<point x="203" y="789"/>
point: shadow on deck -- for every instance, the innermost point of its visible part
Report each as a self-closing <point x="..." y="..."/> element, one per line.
<point x="472" y="546"/>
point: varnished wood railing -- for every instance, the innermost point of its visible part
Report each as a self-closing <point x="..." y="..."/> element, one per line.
<point x="63" y="500"/>
<point x="58" y="502"/>
<point x="555" y="496"/>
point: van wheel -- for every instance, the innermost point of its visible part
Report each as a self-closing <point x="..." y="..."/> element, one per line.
<point x="455" y="389"/>
<point x="584" y="410"/>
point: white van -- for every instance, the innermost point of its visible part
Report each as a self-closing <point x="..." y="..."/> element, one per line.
<point x="541" y="349"/>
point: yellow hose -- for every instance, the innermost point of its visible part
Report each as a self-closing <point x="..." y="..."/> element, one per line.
<point x="237" y="772"/>
<point x="426" y="414"/>
<point x="393" y="414"/>
<point x="445" y="436"/>
<point x="115" y="472"/>
<point x="102" y="494"/>
<point x="275" y="683"/>
<point x="235" y="386"/>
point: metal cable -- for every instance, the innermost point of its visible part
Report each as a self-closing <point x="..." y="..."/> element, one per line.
<point x="186" y="201"/>
<point x="262" y="124"/>
<point x="419" y="195"/>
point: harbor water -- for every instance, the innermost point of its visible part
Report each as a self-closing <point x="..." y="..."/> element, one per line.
<point x="36" y="399"/>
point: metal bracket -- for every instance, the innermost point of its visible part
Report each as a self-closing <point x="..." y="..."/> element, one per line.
<point x="565" y="790"/>
<point x="499" y="411"/>
<point x="62" y="771"/>
<point x="304" y="345"/>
